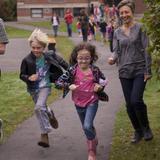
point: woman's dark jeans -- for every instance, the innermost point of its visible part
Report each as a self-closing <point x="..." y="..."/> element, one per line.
<point x="133" y="90"/>
<point x="87" y="115"/>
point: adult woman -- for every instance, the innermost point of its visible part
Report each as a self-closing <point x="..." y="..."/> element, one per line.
<point x="129" y="45"/>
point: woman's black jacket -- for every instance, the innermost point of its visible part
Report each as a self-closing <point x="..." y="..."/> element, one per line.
<point x="28" y="67"/>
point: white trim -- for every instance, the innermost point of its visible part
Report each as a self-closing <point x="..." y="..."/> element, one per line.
<point x="67" y="5"/>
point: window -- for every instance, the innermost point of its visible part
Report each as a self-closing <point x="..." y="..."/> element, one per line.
<point x="59" y="11"/>
<point x="36" y="12"/>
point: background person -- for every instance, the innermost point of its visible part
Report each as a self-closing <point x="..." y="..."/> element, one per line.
<point x="84" y="20"/>
<point x="55" y="23"/>
<point x="68" y="17"/>
<point x="129" y="45"/>
<point x="3" y="42"/>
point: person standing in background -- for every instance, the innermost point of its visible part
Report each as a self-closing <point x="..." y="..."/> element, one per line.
<point x="68" y="17"/>
<point x="55" y="23"/>
<point x="3" y="42"/>
<point x="84" y="20"/>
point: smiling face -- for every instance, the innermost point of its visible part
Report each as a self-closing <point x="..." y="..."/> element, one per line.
<point x="37" y="48"/>
<point x="126" y="14"/>
<point x="83" y="59"/>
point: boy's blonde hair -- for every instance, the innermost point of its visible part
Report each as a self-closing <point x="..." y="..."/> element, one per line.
<point x="39" y="36"/>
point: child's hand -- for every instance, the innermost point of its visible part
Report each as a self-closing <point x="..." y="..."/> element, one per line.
<point x="33" y="77"/>
<point x="97" y="87"/>
<point x="72" y="87"/>
<point x="111" y="61"/>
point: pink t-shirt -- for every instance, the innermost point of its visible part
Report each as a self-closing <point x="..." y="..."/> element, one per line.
<point x="84" y="93"/>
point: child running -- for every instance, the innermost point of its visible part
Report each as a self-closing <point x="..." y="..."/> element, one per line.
<point x="86" y="82"/>
<point x="38" y="70"/>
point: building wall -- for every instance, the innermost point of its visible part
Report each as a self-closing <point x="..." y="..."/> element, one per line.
<point x="140" y="6"/>
<point x="24" y="7"/>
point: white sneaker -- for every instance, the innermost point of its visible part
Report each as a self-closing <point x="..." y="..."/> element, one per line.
<point x="1" y="130"/>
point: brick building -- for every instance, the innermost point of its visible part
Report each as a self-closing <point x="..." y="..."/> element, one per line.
<point x="38" y="9"/>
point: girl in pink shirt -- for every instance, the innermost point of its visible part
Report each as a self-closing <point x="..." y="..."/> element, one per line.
<point x="86" y="82"/>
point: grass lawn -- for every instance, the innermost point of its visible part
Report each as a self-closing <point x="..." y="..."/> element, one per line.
<point x="48" y="25"/>
<point x="15" y="103"/>
<point x="62" y="27"/>
<point x="17" y="33"/>
<point x="121" y="147"/>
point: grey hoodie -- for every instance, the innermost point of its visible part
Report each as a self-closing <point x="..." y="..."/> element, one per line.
<point x="3" y="35"/>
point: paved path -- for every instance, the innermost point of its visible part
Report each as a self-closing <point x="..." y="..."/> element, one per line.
<point x="68" y="141"/>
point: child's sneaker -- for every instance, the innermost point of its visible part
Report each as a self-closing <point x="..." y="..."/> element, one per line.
<point x="52" y="119"/>
<point x="1" y="130"/>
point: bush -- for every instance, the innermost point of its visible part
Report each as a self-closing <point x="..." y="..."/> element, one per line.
<point x="151" y="20"/>
<point x="8" y="10"/>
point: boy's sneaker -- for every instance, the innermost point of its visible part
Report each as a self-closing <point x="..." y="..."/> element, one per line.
<point x="1" y="130"/>
<point x="52" y="119"/>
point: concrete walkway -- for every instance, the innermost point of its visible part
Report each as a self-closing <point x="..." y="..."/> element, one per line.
<point x="68" y="141"/>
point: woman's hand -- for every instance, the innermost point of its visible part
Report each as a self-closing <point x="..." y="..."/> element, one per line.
<point x="72" y="87"/>
<point x="33" y="77"/>
<point x="147" y="77"/>
<point x="97" y="87"/>
<point x="111" y="61"/>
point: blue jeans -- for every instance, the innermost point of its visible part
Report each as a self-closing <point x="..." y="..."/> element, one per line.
<point x="55" y="30"/>
<point x="69" y="29"/>
<point x="133" y="90"/>
<point x="40" y="99"/>
<point x="87" y="116"/>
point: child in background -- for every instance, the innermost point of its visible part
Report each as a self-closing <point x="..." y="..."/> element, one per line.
<point x="78" y="25"/>
<point x="110" y="31"/>
<point x="86" y="82"/>
<point x="92" y="28"/>
<point x="103" y="30"/>
<point x="38" y="70"/>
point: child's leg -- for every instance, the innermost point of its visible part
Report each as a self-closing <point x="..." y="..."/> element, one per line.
<point x="52" y="119"/>
<point x="90" y="130"/>
<point x="41" y="110"/>
<point x="40" y="99"/>
<point x="87" y="116"/>
<point x="88" y="125"/>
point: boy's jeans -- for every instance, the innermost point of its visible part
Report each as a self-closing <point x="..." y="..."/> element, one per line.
<point x="87" y="116"/>
<point x="40" y="98"/>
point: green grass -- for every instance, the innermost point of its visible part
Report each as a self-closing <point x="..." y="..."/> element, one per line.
<point x="64" y="46"/>
<point x="48" y="25"/>
<point x="17" y="33"/>
<point x="62" y="27"/>
<point x="15" y="103"/>
<point x="121" y="147"/>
